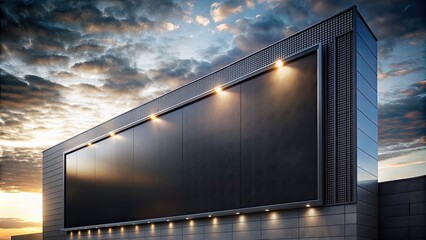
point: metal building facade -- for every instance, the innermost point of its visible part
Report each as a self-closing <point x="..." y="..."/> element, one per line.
<point x="348" y="52"/>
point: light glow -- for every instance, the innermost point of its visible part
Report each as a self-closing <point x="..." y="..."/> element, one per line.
<point x="112" y="134"/>
<point x="218" y="89"/>
<point x="279" y="63"/>
<point x="153" y="117"/>
<point x="308" y="205"/>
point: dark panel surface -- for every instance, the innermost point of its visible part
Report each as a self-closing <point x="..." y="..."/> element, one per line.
<point x="211" y="153"/>
<point x="70" y="190"/>
<point x="106" y="178"/>
<point x="158" y="167"/>
<point x="124" y="178"/>
<point x="85" y="186"/>
<point x="279" y="135"/>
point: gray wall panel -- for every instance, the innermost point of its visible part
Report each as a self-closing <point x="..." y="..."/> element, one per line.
<point x="400" y="218"/>
<point x="366" y="72"/>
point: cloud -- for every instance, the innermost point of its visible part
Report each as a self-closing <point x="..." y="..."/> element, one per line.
<point x="30" y="91"/>
<point x="202" y="20"/>
<point x="20" y="169"/>
<point x="224" y="27"/>
<point x="7" y="223"/>
<point x="168" y="26"/>
<point x="64" y="75"/>
<point x="255" y="33"/>
<point x="401" y="164"/>
<point x="400" y="69"/>
<point x="219" y="11"/>
<point x="103" y="64"/>
<point x="402" y="122"/>
<point x="175" y="72"/>
<point x="86" y="47"/>
<point x="48" y="59"/>
<point x="121" y="17"/>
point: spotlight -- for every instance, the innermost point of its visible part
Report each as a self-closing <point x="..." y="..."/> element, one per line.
<point x="210" y="215"/>
<point x="266" y="210"/>
<point x="111" y="134"/>
<point x="279" y="63"/>
<point x="308" y="205"/>
<point x="152" y="117"/>
<point x="238" y="213"/>
<point x="187" y="218"/>
<point x="218" y="89"/>
<point x="89" y="144"/>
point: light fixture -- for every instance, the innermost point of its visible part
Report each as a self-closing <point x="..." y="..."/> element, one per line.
<point x="279" y="63"/>
<point x="210" y="215"/>
<point x="153" y="117"/>
<point x="89" y="144"/>
<point x="218" y="89"/>
<point x="266" y="210"/>
<point x="308" y="205"/>
<point x="187" y="218"/>
<point x="168" y="220"/>
<point x="238" y="213"/>
<point x="111" y="134"/>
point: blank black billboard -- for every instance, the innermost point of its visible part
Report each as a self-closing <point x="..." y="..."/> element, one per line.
<point x="254" y="144"/>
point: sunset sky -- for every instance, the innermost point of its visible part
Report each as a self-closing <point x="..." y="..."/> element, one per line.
<point x="66" y="66"/>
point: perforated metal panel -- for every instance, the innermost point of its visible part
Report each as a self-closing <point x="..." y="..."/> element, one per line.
<point x="344" y="118"/>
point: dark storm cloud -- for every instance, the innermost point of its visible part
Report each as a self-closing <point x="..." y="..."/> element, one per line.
<point x="7" y="223"/>
<point x="103" y="64"/>
<point x="249" y="35"/>
<point x="176" y="72"/>
<point x="43" y="45"/>
<point x="153" y="9"/>
<point x="119" y="17"/>
<point x="20" y="169"/>
<point x="258" y="32"/>
<point x="48" y="59"/>
<point x="31" y="91"/>
<point x="130" y="79"/>
<point x="402" y="122"/>
<point x="120" y="75"/>
<point x="86" y="47"/>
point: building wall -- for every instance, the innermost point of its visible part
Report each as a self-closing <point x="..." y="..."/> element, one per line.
<point x="403" y="209"/>
<point x="334" y="222"/>
<point x="366" y="130"/>
<point x="336" y="36"/>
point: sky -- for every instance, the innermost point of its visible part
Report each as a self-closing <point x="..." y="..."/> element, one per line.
<point x="66" y="66"/>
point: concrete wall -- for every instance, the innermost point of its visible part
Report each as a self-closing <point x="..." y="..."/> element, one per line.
<point x="403" y="209"/>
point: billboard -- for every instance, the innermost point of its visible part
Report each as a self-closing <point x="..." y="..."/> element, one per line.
<point x="255" y="144"/>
